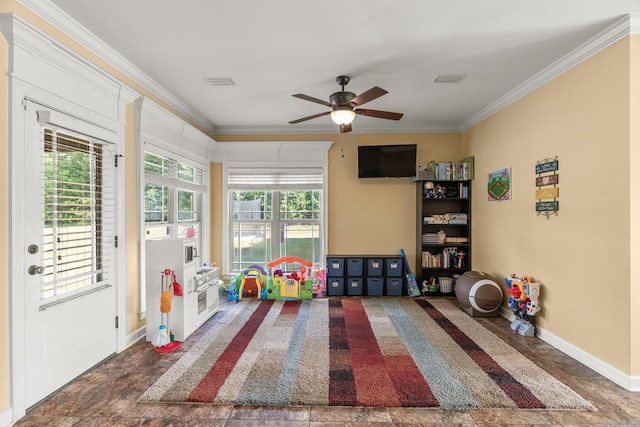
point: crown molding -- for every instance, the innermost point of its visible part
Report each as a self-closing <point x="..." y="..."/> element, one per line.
<point x="326" y="129"/>
<point x="628" y="24"/>
<point x="56" y="17"/>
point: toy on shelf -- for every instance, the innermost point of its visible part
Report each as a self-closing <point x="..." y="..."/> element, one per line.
<point x="289" y="285"/>
<point x="250" y="282"/>
<point x="524" y="296"/>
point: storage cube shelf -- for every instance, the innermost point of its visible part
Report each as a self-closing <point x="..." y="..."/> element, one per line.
<point x="371" y="275"/>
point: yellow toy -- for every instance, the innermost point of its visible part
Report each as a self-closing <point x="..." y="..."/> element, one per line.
<point x="250" y="283"/>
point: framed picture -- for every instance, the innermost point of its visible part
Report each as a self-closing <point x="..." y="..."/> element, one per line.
<point x="499" y="185"/>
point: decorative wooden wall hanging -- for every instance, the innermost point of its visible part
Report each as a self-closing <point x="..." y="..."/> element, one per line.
<point x="547" y="194"/>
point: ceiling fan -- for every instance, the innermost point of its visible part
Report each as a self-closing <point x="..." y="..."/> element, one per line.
<point x="343" y="106"/>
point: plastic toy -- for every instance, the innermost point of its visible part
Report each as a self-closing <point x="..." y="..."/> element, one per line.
<point x="250" y="282"/>
<point x="478" y="295"/>
<point x="523" y="301"/>
<point x="318" y="282"/>
<point x="289" y="286"/>
<point x="163" y="340"/>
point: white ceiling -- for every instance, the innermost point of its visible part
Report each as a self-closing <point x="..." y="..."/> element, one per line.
<point x="273" y="49"/>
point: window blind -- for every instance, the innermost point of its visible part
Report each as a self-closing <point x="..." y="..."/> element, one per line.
<point x="252" y="179"/>
<point x="78" y="205"/>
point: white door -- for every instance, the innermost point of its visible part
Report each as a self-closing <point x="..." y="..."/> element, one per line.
<point x="70" y="266"/>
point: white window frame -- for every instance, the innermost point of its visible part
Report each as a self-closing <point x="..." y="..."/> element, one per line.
<point x="176" y="185"/>
<point x="275" y="157"/>
<point x="277" y="182"/>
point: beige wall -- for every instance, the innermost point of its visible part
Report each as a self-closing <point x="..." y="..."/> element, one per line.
<point x="590" y="297"/>
<point x="4" y="225"/>
<point x="581" y="257"/>
<point x="634" y="197"/>
<point x="131" y="224"/>
<point x="215" y="211"/>
<point x="370" y="216"/>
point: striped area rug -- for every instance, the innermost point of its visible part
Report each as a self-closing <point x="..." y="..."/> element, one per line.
<point x="371" y="352"/>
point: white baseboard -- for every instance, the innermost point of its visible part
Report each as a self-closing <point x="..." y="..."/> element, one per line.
<point x="611" y="373"/>
<point x="134" y="338"/>
<point x="6" y="418"/>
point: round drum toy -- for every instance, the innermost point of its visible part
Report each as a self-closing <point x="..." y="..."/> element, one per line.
<point x="478" y="295"/>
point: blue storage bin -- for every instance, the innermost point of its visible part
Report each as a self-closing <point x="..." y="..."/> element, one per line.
<point x="375" y="266"/>
<point x="335" y="267"/>
<point x="355" y="267"/>
<point x="335" y="286"/>
<point x="375" y="286"/>
<point x="354" y="285"/>
<point x="394" y="267"/>
<point x="394" y="286"/>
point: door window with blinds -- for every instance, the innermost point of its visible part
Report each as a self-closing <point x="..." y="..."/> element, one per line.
<point x="78" y="229"/>
<point x="275" y="214"/>
<point x="172" y="197"/>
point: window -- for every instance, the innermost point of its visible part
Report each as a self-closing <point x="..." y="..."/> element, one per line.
<point x="78" y="206"/>
<point x="273" y="215"/>
<point x="172" y="197"/>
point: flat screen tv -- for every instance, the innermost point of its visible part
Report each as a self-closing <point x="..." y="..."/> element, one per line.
<point x="386" y="161"/>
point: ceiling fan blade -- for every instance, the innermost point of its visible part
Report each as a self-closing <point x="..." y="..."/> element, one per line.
<point x="379" y="114"/>
<point x="370" y="95"/>
<point x="304" y="119"/>
<point x="312" y="99"/>
<point x="345" y="128"/>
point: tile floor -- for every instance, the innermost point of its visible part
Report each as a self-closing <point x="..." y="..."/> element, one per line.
<point x="106" y="396"/>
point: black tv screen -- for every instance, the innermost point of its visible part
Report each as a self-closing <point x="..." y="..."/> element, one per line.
<point x="387" y="161"/>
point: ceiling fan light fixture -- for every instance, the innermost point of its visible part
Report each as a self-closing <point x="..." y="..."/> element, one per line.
<point x="343" y="116"/>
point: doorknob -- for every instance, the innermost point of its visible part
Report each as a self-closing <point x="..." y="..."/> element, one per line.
<point x="36" y="269"/>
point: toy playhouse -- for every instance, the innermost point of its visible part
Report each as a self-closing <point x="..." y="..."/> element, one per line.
<point x="292" y="285"/>
<point x="304" y="283"/>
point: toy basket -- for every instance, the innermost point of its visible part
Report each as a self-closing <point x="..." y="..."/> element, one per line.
<point x="446" y="284"/>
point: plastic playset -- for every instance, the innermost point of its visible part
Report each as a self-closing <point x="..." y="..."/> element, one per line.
<point x="524" y="296"/>
<point x="274" y="283"/>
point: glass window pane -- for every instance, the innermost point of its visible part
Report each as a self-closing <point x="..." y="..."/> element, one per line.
<point x="156" y="165"/>
<point x="186" y="173"/>
<point x="156" y="203"/>
<point x="186" y="205"/>
<point x="154" y="232"/>
<point x="252" y="205"/>
<point x="301" y="240"/>
<point x="251" y="244"/>
<point x="300" y="205"/>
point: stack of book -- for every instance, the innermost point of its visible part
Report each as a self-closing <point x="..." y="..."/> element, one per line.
<point x="456" y="240"/>
<point x="448" y="218"/>
<point x="436" y="219"/>
<point x="457" y="218"/>
<point x="434" y="238"/>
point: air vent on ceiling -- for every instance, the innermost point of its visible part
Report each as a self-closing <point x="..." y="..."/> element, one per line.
<point x="449" y="78"/>
<point x="220" y="81"/>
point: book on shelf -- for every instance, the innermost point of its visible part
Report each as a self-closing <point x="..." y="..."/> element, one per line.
<point x="447" y="258"/>
<point x="456" y="239"/>
<point x="452" y="171"/>
<point x="448" y="218"/>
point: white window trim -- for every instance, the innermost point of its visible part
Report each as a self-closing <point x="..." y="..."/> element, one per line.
<point x="271" y="157"/>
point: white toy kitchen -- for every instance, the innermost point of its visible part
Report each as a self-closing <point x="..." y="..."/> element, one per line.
<point x="199" y="284"/>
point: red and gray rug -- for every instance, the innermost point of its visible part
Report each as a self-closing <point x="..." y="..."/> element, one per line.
<point x="372" y="352"/>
